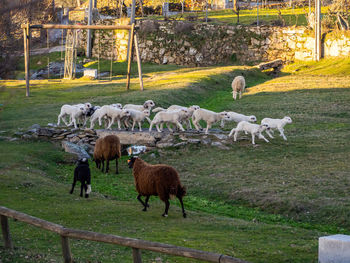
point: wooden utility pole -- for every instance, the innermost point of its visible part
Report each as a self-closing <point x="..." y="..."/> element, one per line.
<point x="318" y="30"/>
<point x="88" y="39"/>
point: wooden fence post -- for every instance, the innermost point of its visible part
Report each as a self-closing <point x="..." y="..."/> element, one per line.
<point x="136" y="254"/>
<point x="131" y="32"/>
<point x="138" y="62"/>
<point x="26" y="37"/>
<point x="6" y="232"/>
<point x="67" y="256"/>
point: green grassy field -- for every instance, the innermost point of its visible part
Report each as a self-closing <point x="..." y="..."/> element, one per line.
<point x="267" y="16"/>
<point x="267" y="203"/>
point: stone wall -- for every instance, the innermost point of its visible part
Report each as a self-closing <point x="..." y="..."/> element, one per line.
<point x="185" y="43"/>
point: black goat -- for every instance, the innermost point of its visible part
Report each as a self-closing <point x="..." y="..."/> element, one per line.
<point x="82" y="174"/>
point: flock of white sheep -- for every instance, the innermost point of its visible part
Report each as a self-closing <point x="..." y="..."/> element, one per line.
<point x="176" y="115"/>
<point x="131" y="114"/>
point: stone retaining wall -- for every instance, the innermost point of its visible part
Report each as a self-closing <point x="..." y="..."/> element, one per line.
<point x="190" y="44"/>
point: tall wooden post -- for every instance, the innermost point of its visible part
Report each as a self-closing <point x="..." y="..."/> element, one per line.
<point x="67" y="256"/>
<point x="88" y="38"/>
<point x="317" y="30"/>
<point x="257" y="12"/>
<point x="131" y="36"/>
<point x="26" y="38"/>
<point x="6" y="232"/>
<point x="132" y="21"/>
<point x="138" y="62"/>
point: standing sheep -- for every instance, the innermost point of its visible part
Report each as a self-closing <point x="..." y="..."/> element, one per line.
<point x="107" y="149"/>
<point x="210" y="117"/>
<point x="277" y="124"/>
<point x="82" y="174"/>
<point x="253" y="129"/>
<point x="238" y="86"/>
<point x="237" y="117"/>
<point x="159" y="179"/>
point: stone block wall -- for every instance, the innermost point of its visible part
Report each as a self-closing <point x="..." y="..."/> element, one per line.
<point x="190" y="44"/>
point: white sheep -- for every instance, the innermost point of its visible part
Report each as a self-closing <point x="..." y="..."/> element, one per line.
<point x="105" y="112"/>
<point x="210" y="117"/>
<point x="277" y="124"/>
<point x="237" y="117"/>
<point x="83" y="119"/>
<point x="138" y="116"/>
<point x="185" y="118"/>
<point x="117" y="105"/>
<point x="116" y="114"/>
<point x="96" y="116"/>
<point x="168" y="117"/>
<point x="73" y="112"/>
<point x="238" y="86"/>
<point x="253" y="129"/>
<point x="148" y="105"/>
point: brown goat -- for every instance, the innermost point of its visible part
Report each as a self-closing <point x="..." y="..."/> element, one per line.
<point x="159" y="179"/>
<point x="107" y="149"/>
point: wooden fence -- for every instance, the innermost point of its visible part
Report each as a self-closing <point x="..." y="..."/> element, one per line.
<point x="135" y="244"/>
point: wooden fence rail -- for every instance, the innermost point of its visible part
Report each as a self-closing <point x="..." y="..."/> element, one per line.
<point x="135" y="244"/>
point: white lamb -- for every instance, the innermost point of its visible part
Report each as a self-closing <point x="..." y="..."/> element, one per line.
<point x="117" y="105"/>
<point x="237" y="117"/>
<point x="277" y="124"/>
<point x="73" y="112"/>
<point x="238" y="86"/>
<point x="210" y="117"/>
<point x="148" y="105"/>
<point x="104" y="112"/>
<point x="138" y="116"/>
<point x="83" y="118"/>
<point x="116" y="114"/>
<point x="95" y="116"/>
<point x="168" y="117"/>
<point x="253" y="129"/>
<point x="186" y="117"/>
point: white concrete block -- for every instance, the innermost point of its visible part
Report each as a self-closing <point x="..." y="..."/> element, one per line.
<point x="90" y="73"/>
<point x="334" y="249"/>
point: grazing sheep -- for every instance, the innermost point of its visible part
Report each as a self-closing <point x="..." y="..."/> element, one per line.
<point x="168" y="117"/>
<point x="106" y="149"/>
<point x="159" y="179"/>
<point x="73" y="112"/>
<point x="237" y="117"/>
<point x="238" y="86"/>
<point x="276" y="124"/>
<point x="253" y="129"/>
<point x="208" y="116"/>
<point x="83" y="175"/>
